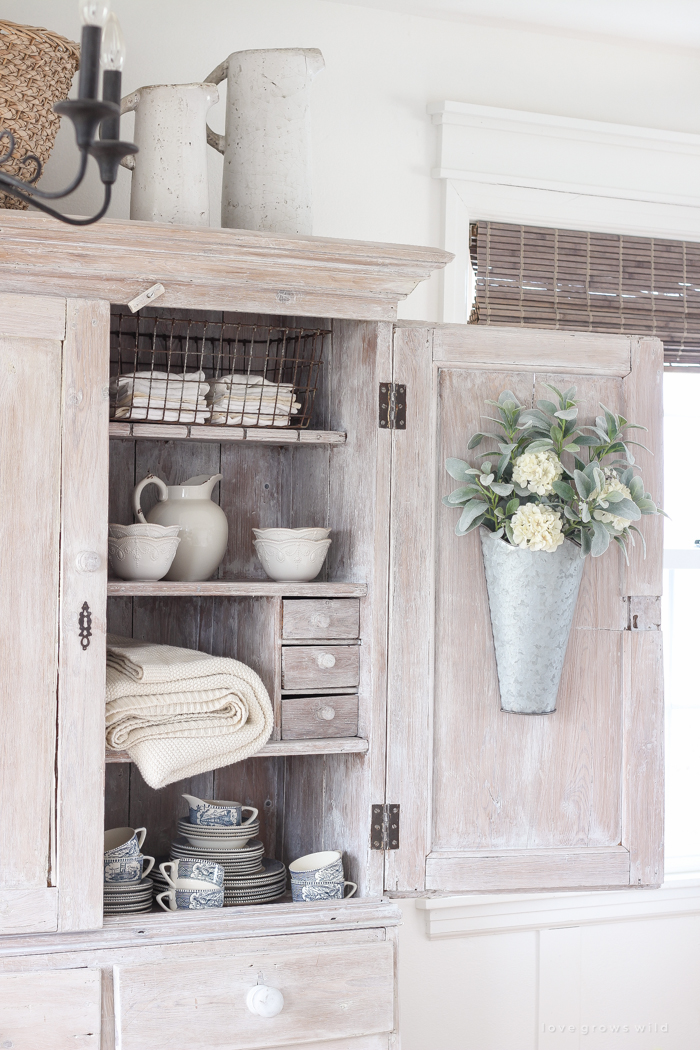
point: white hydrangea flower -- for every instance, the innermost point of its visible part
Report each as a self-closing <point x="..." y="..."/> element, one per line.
<point x="537" y="527"/>
<point x="537" y="471"/>
<point x="613" y="484"/>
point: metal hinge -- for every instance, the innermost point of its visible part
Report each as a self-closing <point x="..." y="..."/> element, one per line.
<point x="392" y="406"/>
<point x="385" y="826"/>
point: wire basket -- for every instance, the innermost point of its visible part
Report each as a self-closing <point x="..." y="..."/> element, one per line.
<point x="185" y="370"/>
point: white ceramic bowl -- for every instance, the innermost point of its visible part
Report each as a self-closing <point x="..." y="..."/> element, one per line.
<point x="292" y="561"/>
<point x="156" y="532"/>
<point x="141" y="557"/>
<point x="291" y="534"/>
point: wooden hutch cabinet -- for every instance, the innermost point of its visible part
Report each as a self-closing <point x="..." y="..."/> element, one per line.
<point x="430" y="788"/>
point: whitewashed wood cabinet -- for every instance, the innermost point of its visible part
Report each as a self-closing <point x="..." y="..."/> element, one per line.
<point x="432" y="788"/>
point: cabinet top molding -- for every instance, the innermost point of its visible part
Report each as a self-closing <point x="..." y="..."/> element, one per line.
<point x="211" y="269"/>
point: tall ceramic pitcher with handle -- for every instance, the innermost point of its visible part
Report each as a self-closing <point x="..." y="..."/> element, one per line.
<point x="203" y="524"/>
<point x="267" y="145"/>
<point x="170" y="181"/>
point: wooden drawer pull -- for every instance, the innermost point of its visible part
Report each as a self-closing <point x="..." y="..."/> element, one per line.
<point x="326" y="713"/>
<point x="325" y="660"/>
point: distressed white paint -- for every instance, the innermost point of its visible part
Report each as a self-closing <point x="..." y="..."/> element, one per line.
<point x="267" y="145"/>
<point x="169" y="181"/>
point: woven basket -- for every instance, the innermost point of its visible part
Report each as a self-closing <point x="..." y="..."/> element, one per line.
<point x="36" y="70"/>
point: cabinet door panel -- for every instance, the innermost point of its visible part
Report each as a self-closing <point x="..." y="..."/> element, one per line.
<point x="51" y="1010"/>
<point x="514" y="801"/>
<point x="30" y="384"/>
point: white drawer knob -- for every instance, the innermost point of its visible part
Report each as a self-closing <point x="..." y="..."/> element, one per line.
<point x="325" y="660"/>
<point x="264" y="1001"/>
<point x="326" y="713"/>
<point x="320" y="620"/>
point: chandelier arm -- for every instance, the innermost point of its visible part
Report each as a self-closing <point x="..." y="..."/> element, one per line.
<point x="9" y="180"/>
<point x="52" y="211"/>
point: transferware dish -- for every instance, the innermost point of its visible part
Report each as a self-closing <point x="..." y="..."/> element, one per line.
<point x="292" y="561"/>
<point x="126" y="869"/>
<point x="124" y="842"/>
<point x="213" y="813"/>
<point x="192" y="900"/>
<point x="187" y="873"/>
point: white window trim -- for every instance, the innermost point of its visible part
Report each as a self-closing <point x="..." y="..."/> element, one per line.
<point x="542" y="170"/>
<point x="537" y="169"/>
<point x="472" y="914"/>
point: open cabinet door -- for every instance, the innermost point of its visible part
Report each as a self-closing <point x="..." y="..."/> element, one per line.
<point x="491" y="800"/>
<point x="54" y="363"/>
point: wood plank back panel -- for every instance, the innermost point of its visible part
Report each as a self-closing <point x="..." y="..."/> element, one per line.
<point x="329" y="992"/>
<point x="81" y="682"/>
<point x="30" y="405"/>
<point x="51" y="1010"/>
<point x="32" y="316"/>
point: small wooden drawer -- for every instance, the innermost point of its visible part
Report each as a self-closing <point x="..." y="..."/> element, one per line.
<point x="51" y="1010"/>
<point x="312" y="717"/>
<point x="200" y="1003"/>
<point x="320" y="666"/>
<point x="320" y="618"/>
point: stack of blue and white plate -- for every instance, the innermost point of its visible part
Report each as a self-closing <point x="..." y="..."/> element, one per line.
<point x="261" y="887"/>
<point x="125" y="898"/>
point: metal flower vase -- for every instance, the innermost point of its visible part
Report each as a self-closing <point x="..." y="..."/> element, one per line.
<point x="532" y="598"/>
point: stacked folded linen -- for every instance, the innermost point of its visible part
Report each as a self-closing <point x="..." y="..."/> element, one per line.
<point x="179" y="712"/>
<point x="247" y="400"/>
<point x="160" y="396"/>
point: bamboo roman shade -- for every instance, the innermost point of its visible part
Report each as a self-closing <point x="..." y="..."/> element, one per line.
<point x="535" y="277"/>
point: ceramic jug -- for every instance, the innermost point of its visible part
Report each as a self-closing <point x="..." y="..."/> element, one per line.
<point x="267" y="145"/>
<point x="170" y="181"/>
<point x="203" y="524"/>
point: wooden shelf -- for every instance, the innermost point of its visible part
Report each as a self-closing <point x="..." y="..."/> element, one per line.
<point x="276" y="748"/>
<point x="259" y="435"/>
<point x="234" y="589"/>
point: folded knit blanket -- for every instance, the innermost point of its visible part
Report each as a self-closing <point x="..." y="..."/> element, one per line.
<point x="179" y="712"/>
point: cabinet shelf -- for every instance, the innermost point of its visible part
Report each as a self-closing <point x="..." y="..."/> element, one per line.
<point x="278" y="748"/>
<point x="259" y="435"/>
<point x="233" y="589"/>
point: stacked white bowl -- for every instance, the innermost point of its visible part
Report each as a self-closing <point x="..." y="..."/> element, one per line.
<point x="292" y="555"/>
<point x="142" y="551"/>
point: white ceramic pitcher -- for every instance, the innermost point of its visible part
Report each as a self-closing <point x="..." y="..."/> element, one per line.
<point x="267" y="145"/>
<point x="203" y="524"/>
<point x="170" y="181"/>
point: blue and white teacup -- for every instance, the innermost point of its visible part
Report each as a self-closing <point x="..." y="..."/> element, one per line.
<point x="192" y="900"/>
<point x="124" y="842"/>
<point x="212" y="813"/>
<point x="188" y="873"/>
<point x="126" y="869"/>
<point x="318" y="867"/>
<point x="322" y="891"/>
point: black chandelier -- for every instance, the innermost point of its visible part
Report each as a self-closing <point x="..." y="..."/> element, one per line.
<point x="101" y="43"/>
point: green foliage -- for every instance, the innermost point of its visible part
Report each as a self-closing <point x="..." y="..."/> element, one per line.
<point x="597" y="499"/>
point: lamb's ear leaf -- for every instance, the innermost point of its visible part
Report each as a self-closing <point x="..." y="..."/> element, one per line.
<point x="509" y="533"/>
<point x="633" y="528"/>
<point x="512" y="506"/>
<point x="621" y="543"/>
<point x="585" y="541"/>
<point x="625" y="508"/>
<point x="458" y="469"/>
<point x="476" y="440"/>
<point x="566" y="413"/>
<point x="547" y="406"/>
<point x="502" y="488"/>
<point x="474" y="509"/>
<point x="571" y="514"/>
<point x="563" y="489"/>
<point x="475" y="524"/>
<point x="600" y="540"/>
<point x="584" y="485"/>
<point x="635" y="485"/>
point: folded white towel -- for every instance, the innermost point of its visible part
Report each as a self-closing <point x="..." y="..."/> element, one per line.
<point x="179" y="712"/>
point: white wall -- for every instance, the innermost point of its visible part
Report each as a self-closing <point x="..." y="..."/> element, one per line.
<point x="374" y="148"/>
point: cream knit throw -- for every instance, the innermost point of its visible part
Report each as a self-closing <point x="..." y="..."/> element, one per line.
<point x="179" y="712"/>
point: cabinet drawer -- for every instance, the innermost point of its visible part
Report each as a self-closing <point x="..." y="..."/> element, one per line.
<point x="320" y="618"/>
<point x="310" y="717"/>
<point x="51" y="1010"/>
<point x="320" y="666"/>
<point x="329" y="993"/>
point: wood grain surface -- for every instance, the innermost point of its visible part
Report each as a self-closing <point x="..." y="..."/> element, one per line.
<point x="323" y="618"/>
<point x="51" y="1010"/>
<point x="314" y="667"/>
<point x="329" y="993"/>
<point x="310" y="717"/>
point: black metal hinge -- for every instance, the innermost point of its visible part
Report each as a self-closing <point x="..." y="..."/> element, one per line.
<point x="385" y="826"/>
<point x="392" y="406"/>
